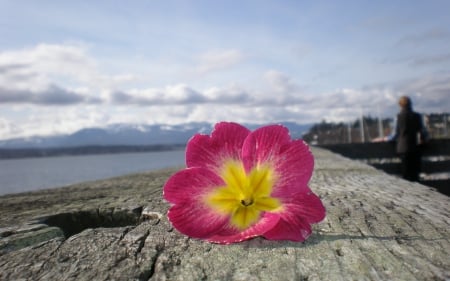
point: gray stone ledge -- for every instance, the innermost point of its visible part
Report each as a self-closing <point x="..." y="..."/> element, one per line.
<point x="378" y="227"/>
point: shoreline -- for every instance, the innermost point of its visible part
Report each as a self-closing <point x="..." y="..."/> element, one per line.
<point x="21" y="153"/>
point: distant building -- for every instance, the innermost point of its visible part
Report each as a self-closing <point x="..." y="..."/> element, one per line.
<point x="437" y="124"/>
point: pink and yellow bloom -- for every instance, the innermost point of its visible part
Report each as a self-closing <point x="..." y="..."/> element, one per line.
<point x="240" y="184"/>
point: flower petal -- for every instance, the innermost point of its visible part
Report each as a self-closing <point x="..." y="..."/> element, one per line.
<point x="189" y="185"/>
<point x="294" y="166"/>
<point x="224" y="143"/>
<point x="223" y="200"/>
<point x="191" y="215"/>
<point x="267" y="203"/>
<point x="263" y="143"/>
<point x="263" y="225"/>
<point x="297" y="215"/>
<point x="243" y="217"/>
<point x="292" y="161"/>
<point x="196" y="220"/>
<point x="289" y="228"/>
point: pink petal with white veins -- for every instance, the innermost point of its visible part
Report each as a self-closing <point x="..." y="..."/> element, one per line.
<point x="295" y="219"/>
<point x="294" y="166"/>
<point x="190" y="215"/>
<point x="188" y="185"/>
<point x="210" y="152"/>
<point x="262" y="144"/>
<point x="263" y="225"/>
<point x="196" y="220"/>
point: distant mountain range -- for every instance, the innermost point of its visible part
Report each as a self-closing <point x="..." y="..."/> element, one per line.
<point x="130" y="135"/>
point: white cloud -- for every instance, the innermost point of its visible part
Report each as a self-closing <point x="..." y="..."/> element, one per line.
<point x="8" y="129"/>
<point x="38" y="67"/>
<point x="230" y="95"/>
<point x="218" y="60"/>
<point x="170" y="95"/>
<point x="39" y="80"/>
<point x="280" y="82"/>
<point x="51" y="73"/>
<point x="41" y="121"/>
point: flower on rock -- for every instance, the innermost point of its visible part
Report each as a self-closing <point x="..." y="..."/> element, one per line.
<point x="240" y="184"/>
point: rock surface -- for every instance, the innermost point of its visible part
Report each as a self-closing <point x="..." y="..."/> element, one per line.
<point x="378" y="227"/>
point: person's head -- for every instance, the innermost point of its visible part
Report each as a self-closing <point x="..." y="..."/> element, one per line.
<point x="405" y="102"/>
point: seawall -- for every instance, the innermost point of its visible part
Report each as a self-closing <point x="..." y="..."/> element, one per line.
<point x="378" y="227"/>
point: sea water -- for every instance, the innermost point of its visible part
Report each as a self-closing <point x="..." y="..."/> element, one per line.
<point x="27" y="174"/>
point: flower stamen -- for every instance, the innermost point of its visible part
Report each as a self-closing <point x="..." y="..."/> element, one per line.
<point x="247" y="202"/>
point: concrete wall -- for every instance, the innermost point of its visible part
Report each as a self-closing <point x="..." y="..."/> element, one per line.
<point x="378" y="227"/>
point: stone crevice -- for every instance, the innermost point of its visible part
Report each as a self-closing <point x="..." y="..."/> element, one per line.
<point x="141" y="243"/>
<point x="155" y="261"/>
<point x="72" y="223"/>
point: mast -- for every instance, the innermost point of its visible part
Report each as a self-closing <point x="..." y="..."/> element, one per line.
<point x="380" y="125"/>
<point x="349" y="130"/>
<point x="361" y="127"/>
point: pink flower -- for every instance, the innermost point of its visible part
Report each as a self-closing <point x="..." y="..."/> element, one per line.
<point x="240" y="184"/>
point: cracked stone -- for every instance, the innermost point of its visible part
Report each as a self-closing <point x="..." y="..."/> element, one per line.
<point x="129" y="237"/>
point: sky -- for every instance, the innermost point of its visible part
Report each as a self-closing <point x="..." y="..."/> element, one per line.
<point x="67" y="65"/>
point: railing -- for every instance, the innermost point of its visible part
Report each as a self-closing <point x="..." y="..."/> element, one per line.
<point x="435" y="170"/>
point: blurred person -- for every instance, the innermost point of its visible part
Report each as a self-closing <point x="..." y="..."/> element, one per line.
<point x="409" y="134"/>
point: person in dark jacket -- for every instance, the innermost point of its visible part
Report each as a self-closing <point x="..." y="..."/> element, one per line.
<point x="409" y="134"/>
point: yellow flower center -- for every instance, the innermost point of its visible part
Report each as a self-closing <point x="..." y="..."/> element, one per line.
<point x="244" y="196"/>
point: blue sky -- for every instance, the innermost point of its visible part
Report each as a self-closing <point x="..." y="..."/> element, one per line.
<point x="65" y="65"/>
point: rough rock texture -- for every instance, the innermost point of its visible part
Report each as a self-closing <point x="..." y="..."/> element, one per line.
<point x="378" y="227"/>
